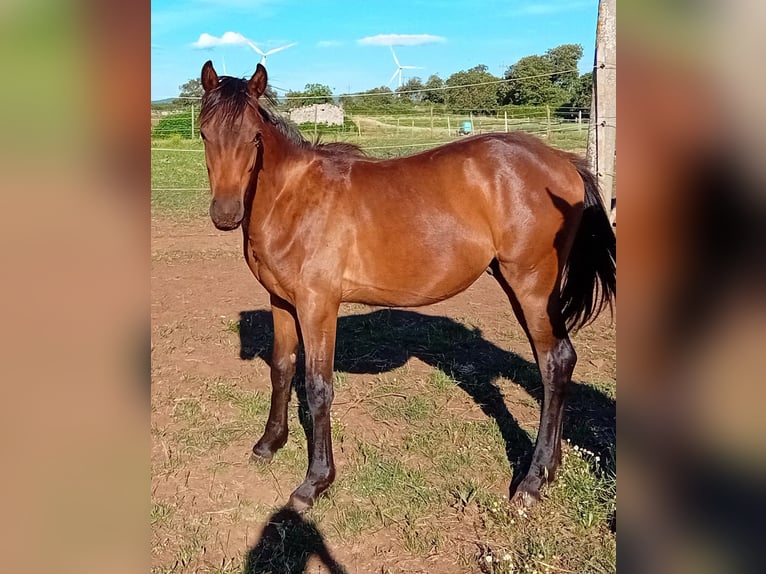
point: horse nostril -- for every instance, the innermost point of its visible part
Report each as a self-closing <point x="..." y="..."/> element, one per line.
<point x="226" y="212"/>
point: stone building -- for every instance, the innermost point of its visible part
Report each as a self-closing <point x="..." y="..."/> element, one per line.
<point x="329" y="114"/>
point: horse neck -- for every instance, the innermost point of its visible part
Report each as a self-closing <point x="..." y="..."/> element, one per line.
<point x="280" y="156"/>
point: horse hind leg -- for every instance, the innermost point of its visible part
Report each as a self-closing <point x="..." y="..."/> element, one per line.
<point x="535" y="300"/>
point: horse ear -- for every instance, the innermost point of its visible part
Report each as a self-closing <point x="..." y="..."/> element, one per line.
<point x="209" y="77"/>
<point x="257" y="84"/>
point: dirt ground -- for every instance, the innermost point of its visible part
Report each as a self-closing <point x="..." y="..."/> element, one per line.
<point x="210" y="348"/>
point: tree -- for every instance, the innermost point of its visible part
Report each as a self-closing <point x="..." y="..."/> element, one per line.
<point x="312" y="94"/>
<point x="374" y="99"/>
<point x="582" y="92"/>
<point x="412" y="86"/>
<point x="531" y="83"/>
<point x="435" y="95"/>
<point x="191" y="89"/>
<point x="565" y="57"/>
<point x="465" y="95"/>
<point x="548" y="79"/>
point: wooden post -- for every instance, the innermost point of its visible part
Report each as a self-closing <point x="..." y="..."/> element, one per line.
<point x="432" y="120"/>
<point x="412" y="129"/>
<point x="470" y="117"/>
<point x="397" y="126"/>
<point x="548" y="120"/>
<point x="192" y="120"/>
<point x="579" y="121"/>
<point x="449" y="127"/>
<point x="505" y="113"/>
<point x="603" y="113"/>
<point x="316" y="109"/>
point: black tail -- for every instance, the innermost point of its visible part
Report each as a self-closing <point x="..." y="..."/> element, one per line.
<point x="590" y="275"/>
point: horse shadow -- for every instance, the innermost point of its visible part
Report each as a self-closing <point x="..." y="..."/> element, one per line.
<point x="286" y="544"/>
<point x="385" y="339"/>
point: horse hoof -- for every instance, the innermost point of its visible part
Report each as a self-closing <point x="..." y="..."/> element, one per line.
<point x="524" y="499"/>
<point x="299" y="504"/>
<point x="261" y="455"/>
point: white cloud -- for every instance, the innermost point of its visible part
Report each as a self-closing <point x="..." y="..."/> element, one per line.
<point x="329" y="44"/>
<point x="208" y="41"/>
<point x="400" y="40"/>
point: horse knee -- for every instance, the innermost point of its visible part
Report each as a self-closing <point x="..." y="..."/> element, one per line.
<point x="320" y="394"/>
<point x="561" y="362"/>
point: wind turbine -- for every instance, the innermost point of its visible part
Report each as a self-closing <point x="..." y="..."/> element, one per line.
<point x="399" y="68"/>
<point x="270" y="52"/>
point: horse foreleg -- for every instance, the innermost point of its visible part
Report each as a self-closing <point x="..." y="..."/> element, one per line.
<point x="318" y="321"/>
<point x="282" y="373"/>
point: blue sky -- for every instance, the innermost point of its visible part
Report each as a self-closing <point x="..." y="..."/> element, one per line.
<point x="345" y="44"/>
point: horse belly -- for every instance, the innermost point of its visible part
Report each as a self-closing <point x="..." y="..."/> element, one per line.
<point x="412" y="275"/>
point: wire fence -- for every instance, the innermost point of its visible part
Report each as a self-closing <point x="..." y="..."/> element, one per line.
<point x="400" y="124"/>
<point x="179" y="181"/>
<point x="404" y="104"/>
<point x="184" y="122"/>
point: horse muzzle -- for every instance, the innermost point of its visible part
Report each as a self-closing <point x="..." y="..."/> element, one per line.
<point x="227" y="213"/>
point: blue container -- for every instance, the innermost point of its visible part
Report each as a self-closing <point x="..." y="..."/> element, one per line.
<point x="465" y="128"/>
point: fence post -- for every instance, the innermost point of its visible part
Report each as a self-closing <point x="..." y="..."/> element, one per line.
<point x="432" y="120"/>
<point x="192" y="120"/>
<point x="470" y="116"/>
<point x="505" y="113"/>
<point x="449" y="127"/>
<point x="316" y="107"/>
<point x="548" y="115"/>
<point x="579" y="121"/>
<point x="412" y="129"/>
<point x="602" y="126"/>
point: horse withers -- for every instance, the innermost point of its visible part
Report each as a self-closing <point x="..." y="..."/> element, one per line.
<point x="325" y="224"/>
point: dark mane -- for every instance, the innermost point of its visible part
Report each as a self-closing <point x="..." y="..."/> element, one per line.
<point x="231" y="98"/>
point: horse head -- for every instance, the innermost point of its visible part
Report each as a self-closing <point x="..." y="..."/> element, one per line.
<point x="230" y="125"/>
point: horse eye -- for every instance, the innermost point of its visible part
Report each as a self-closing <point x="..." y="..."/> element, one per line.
<point x="202" y="136"/>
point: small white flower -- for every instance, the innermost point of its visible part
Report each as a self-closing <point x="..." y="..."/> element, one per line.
<point x="598" y="458"/>
<point x="488" y="559"/>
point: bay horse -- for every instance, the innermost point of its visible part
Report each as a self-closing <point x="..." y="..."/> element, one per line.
<point x="325" y="224"/>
